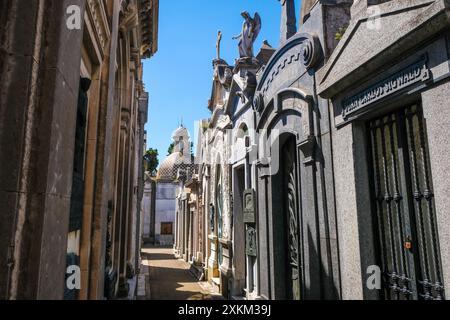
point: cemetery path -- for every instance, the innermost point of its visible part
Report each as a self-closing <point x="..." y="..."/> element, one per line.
<point x="168" y="278"/>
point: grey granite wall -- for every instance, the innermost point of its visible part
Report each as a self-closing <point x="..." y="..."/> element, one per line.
<point x="435" y="102"/>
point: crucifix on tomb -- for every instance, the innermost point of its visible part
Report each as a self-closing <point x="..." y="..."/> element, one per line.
<point x="219" y="39"/>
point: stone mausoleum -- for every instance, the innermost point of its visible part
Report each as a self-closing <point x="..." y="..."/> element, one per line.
<point x="325" y="160"/>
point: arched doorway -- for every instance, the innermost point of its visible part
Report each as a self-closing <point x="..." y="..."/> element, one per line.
<point x="286" y="226"/>
<point x="291" y="221"/>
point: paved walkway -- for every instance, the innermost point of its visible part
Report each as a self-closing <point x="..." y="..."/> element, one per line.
<point x="169" y="278"/>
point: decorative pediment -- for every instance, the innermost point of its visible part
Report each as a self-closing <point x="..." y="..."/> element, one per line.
<point x="300" y="53"/>
<point x="377" y="35"/>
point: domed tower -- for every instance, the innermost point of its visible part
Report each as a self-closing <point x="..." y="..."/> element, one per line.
<point x="180" y="158"/>
<point x="175" y="167"/>
<point x="182" y="142"/>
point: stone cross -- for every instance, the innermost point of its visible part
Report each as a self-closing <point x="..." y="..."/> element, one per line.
<point x="288" y="20"/>
<point x="219" y="39"/>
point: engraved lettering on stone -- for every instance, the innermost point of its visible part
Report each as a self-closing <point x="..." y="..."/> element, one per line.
<point x="413" y="74"/>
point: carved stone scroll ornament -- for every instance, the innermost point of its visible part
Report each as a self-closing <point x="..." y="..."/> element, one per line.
<point x="310" y="52"/>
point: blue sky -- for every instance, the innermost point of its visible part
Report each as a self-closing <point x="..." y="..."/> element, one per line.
<point x="179" y="76"/>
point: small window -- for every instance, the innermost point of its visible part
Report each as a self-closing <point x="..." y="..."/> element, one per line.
<point x="166" y="228"/>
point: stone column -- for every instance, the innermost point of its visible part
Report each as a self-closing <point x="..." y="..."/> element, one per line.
<point x="186" y="215"/>
<point x="175" y="228"/>
<point x="142" y="120"/>
<point x="104" y="147"/>
<point x="119" y="217"/>
<point x="191" y="234"/>
<point x="264" y="263"/>
<point x="124" y="172"/>
<point x="206" y="201"/>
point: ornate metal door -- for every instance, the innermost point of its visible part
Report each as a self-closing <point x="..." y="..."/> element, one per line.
<point x="404" y="209"/>
<point x="290" y="194"/>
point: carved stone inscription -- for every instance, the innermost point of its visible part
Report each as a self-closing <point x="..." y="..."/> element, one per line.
<point x="415" y="73"/>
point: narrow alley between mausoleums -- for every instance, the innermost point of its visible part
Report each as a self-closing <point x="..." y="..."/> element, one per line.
<point x="246" y="151"/>
<point x="164" y="277"/>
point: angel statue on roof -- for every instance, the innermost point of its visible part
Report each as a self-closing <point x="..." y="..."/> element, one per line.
<point x="250" y="31"/>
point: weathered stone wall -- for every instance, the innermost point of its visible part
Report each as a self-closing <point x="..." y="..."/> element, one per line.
<point x="39" y="75"/>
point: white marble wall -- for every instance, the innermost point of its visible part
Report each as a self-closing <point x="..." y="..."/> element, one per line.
<point x="165" y="211"/>
<point x="146" y="210"/>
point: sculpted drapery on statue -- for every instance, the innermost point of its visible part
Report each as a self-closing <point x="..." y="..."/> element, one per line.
<point x="250" y="31"/>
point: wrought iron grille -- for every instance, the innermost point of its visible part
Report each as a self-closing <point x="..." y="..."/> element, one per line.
<point x="403" y="204"/>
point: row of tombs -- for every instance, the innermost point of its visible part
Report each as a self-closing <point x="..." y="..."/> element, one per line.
<point x="322" y="172"/>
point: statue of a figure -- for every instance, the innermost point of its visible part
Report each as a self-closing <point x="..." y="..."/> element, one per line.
<point x="219" y="39"/>
<point x="250" y="31"/>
